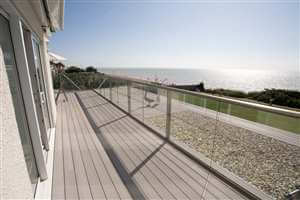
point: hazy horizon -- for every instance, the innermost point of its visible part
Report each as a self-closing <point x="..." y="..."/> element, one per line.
<point x="171" y="34"/>
<point x="200" y="68"/>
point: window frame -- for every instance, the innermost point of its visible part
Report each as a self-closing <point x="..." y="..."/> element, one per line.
<point x="15" y="26"/>
<point x="18" y="87"/>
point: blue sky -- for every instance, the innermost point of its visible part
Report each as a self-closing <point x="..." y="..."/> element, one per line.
<point x="194" y="34"/>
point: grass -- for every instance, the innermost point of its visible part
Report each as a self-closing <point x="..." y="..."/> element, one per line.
<point x="274" y="120"/>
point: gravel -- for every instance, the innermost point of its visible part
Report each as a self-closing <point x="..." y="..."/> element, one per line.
<point x="269" y="164"/>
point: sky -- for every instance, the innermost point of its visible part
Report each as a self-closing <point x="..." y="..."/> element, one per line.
<point x="181" y="34"/>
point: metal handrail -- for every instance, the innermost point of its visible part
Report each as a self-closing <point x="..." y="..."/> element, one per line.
<point x="261" y="107"/>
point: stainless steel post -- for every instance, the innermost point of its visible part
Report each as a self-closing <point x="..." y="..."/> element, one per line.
<point x="110" y="91"/>
<point x="117" y="93"/>
<point x="144" y="94"/>
<point x="168" y="118"/>
<point x="129" y="96"/>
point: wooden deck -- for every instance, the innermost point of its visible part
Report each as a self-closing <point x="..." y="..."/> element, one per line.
<point x="102" y="153"/>
<point x="82" y="169"/>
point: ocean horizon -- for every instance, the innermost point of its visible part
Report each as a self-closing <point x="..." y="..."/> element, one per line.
<point x="234" y="79"/>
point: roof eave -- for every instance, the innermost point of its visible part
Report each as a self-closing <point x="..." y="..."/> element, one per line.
<point x="55" y="13"/>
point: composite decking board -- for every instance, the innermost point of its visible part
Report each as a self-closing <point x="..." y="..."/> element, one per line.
<point x="175" y="191"/>
<point x="189" y="191"/>
<point x="182" y="190"/>
<point x="149" y="172"/>
<point x="213" y="183"/>
<point x="146" y="136"/>
<point x="120" y="154"/>
<point x="105" y="162"/>
<point x="108" y="186"/>
<point x="71" y="191"/>
<point x="88" y="103"/>
<point x="75" y="151"/>
<point x="137" y="148"/>
<point x="168" y="179"/>
<point x="58" y="191"/>
<point x="131" y="164"/>
<point x="83" y="186"/>
<point x="106" y="183"/>
<point x="175" y="166"/>
<point x="144" y="177"/>
<point x="83" y="155"/>
<point x="166" y="166"/>
<point x="90" y="163"/>
<point x="188" y="171"/>
<point x="126" y="179"/>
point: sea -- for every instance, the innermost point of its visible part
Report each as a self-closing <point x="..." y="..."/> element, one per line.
<point x="234" y="79"/>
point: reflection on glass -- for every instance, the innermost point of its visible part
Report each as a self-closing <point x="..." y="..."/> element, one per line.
<point x="41" y="82"/>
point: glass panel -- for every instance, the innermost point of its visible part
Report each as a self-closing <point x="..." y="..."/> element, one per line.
<point x="106" y="89"/>
<point x="260" y="147"/>
<point x="155" y="109"/>
<point x="122" y="95"/>
<point x="119" y="93"/>
<point x="9" y="59"/>
<point x="137" y="101"/>
<point x="99" y="83"/>
<point x="193" y="127"/>
<point x="192" y="124"/>
<point x="252" y="149"/>
<point x="114" y="94"/>
<point x="43" y="92"/>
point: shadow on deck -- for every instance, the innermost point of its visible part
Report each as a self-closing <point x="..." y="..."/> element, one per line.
<point x="102" y="153"/>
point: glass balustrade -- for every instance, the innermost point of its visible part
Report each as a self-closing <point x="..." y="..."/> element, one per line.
<point x="258" y="145"/>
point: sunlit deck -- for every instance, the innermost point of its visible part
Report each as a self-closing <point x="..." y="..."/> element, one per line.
<point x="102" y="153"/>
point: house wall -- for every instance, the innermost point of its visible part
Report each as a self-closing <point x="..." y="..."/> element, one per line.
<point x="14" y="179"/>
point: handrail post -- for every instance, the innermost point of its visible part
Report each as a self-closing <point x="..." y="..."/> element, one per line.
<point x="129" y="96"/>
<point x="168" y="118"/>
<point x="117" y="93"/>
<point x="110" y="91"/>
<point x="144" y="95"/>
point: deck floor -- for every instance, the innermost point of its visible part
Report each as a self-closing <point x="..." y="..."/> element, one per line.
<point x="102" y="153"/>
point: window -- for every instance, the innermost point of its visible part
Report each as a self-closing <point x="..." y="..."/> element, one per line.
<point x="14" y="84"/>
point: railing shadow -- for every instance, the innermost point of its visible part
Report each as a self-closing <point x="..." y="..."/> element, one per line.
<point x="126" y="178"/>
<point x="147" y="159"/>
<point x="113" y="121"/>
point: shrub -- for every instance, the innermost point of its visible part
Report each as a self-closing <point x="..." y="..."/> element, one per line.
<point x="91" y="69"/>
<point x="201" y="87"/>
<point x="280" y="97"/>
<point x="73" y="69"/>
